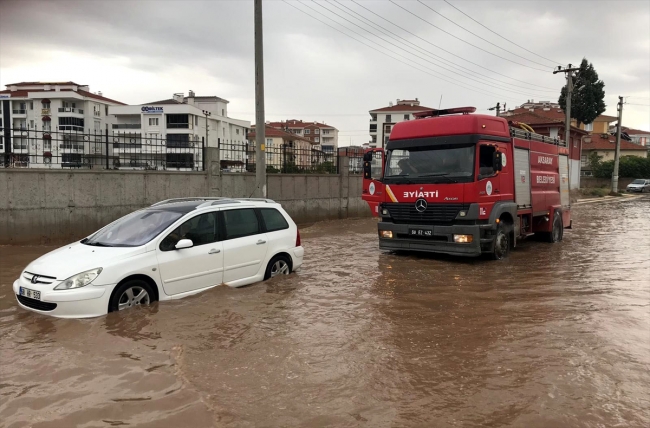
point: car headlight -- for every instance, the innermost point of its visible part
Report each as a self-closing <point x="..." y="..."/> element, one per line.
<point x="79" y="280"/>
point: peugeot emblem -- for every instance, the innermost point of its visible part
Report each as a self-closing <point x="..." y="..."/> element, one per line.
<point x="420" y="205"/>
<point x="34" y="279"/>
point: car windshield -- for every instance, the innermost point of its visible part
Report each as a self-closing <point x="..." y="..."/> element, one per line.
<point x="134" y="229"/>
<point x="431" y="163"/>
<point x="638" y="182"/>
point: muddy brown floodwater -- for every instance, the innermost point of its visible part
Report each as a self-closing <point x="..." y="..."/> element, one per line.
<point x="555" y="336"/>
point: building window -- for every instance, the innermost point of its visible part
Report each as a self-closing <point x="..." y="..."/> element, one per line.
<point x="31" y="123"/>
<point x="298" y="131"/>
<point x="237" y="131"/>
<point x="589" y="127"/>
<point x="2" y="142"/>
<point x="71" y="124"/>
<point x="269" y="142"/>
<point x="196" y="121"/>
<point x="317" y="140"/>
<point x="307" y="131"/>
<point x="178" y="121"/>
<point x="153" y="121"/>
<point x="583" y="161"/>
<point x="316" y="131"/>
<point x="406" y="117"/>
<point x="388" y="118"/>
<point x="47" y="144"/>
<point x="46" y="126"/>
<point x="31" y="105"/>
<point x="223" y="112"/>
<point x="46" y="105"/>
<point x="326" y="131"/>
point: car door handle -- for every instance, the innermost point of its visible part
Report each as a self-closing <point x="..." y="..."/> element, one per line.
<point x="260" y="242"/>
<point x="214" y="251"/>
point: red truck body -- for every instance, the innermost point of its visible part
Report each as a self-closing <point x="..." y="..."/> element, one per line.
<point x="466" y="184"/>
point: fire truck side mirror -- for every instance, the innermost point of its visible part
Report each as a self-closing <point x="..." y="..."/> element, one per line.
<point x="367" y="156"/>
<point x="497" y="161"/>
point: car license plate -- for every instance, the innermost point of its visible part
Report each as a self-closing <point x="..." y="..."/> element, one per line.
<point x="32" y="294"/>
<point x="426" y="233"/>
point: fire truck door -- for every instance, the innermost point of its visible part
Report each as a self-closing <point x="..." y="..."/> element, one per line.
<point x="373" y="171"/>
<point x="489" y="179"/>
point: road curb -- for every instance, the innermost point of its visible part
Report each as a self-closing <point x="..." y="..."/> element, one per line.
<point x="607" y="199"/>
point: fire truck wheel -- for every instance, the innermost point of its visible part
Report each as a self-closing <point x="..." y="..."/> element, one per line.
<point x="558" y="230"/>
<point x="501" y="243"/>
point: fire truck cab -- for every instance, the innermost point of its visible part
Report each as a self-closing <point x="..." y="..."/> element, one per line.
<point x="466" y="184"/>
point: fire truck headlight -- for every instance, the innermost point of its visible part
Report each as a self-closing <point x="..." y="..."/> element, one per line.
<point x="386" y="234"/>
<point x="463" y="239"/>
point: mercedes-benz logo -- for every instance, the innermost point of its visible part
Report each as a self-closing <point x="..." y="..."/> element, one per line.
<point x="420" y="205"/>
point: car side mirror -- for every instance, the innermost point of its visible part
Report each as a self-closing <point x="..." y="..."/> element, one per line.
<point x="184" y="243"/>
<point x="497" y="161"/>
<point x="367" y="157"/>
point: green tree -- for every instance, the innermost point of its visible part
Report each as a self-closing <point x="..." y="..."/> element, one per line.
<point x="588" y="98"/>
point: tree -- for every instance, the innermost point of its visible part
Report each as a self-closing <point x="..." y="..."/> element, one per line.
<point x="588" y="98"/>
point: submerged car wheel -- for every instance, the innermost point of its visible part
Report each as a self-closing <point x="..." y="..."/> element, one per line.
<point x="279" y="265"/>
<point x="557" y="233"/>
<point x="131" y="293"/>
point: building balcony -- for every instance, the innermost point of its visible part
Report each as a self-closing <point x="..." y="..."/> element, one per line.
<point x="72" y="147"/>
<point x="70" y="111"/>
<point x="97" y="113"/>
<point x="20" y="113"/>
<point x="46" y="112"/>
<point x="127" y="126"/>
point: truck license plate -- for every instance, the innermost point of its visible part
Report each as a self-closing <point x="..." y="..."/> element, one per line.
<point x="32" y="294"/>
<point x="421" y="232"/>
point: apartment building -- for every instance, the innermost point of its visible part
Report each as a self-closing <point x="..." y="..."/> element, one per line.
<point x="171" y="133"/>
<point x="324" y="137"/>
<point x="42" y="120"/>
<point x="383" y="119"/>
<point x="285" y="149"/>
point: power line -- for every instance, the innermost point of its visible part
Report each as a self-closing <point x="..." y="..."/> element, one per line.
<point x="417" y="56"/>
<point x="384" y="53"/>
<point x="476" y="35"/>
<point x="465" y="41"/>
<point x="449" y="52"/>
<point x="463" y="69"/>
<point x="494" y="32"/>
<point x="640" y="105"/>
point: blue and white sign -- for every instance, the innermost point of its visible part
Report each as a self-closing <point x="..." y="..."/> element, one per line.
<point x="152" y="110"/>
<point x="5" y="96"/>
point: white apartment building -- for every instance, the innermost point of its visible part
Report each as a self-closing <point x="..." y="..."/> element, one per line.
<point x="41" y="123"/>
<point x="383" y="119"/>
<point x="171" y="133"/>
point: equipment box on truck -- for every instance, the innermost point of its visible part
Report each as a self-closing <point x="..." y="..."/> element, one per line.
<point x="466" y="184"/>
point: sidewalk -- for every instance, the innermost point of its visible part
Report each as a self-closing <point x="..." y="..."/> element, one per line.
<point x="607" y="199"/>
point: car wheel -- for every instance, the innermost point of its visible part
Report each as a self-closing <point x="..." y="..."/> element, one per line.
<point x="501" y="243"/>
<point x="132" y="293"/>
<point x="279" y="265"/>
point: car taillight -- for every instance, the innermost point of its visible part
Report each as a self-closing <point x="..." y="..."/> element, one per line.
<point x="298" y="238"/>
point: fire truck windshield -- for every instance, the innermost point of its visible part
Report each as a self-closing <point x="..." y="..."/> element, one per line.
<point x="430" y="164"/>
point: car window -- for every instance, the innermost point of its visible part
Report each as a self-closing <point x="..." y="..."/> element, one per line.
<point x="241" y="223"/>
<point x="134" y="229"/>
<point x="201" y="229"/>
<point x="273" y="219"/>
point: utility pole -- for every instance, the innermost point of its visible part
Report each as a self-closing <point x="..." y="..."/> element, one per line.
<point x="617" y="154"/>
<point x="569" y="86"/>
<point x="260" y="123"/>
<point x="497" y="108"/>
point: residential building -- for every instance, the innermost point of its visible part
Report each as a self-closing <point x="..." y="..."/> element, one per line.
<point x="554" y="128"/>
<point x="604" y="144"/>
<point x="171" y="133"/>
<point x="383" y="119"/>
<point x="554" y="111"/>
<point x="284" y="149"/>
<point x="324" y="136"/>
<point x="355" y="155"/>
<point x="41" y="120"/>
<point x="637" y="136"/>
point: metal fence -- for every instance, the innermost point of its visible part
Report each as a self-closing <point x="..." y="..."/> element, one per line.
<point x="128" y="150"/>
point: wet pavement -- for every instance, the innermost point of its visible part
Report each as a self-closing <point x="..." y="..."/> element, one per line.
<point x="557" y="335"/>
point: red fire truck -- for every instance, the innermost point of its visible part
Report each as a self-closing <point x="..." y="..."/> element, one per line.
<point x="466" y="184"/>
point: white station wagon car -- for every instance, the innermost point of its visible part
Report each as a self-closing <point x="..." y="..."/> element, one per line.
<point x="169" y="250"/>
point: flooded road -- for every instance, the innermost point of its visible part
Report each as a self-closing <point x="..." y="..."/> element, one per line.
<point x="556" y="335"/>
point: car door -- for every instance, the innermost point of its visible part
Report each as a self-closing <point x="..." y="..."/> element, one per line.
<point x="194" y="268"/>
<point x="244" y="245"/>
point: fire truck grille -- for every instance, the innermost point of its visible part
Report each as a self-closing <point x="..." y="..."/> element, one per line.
<point x="434" y="214"/>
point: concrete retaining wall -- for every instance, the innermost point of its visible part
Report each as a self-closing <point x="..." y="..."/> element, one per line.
<point x="588" y="182"/>
<point x="51" y="206"/>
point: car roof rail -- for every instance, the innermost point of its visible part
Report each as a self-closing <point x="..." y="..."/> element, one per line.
<point x="189" y="199"/>
<point x="268" y="201"/>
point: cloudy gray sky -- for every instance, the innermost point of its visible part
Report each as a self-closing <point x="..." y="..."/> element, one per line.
<point x="140" y="51"/>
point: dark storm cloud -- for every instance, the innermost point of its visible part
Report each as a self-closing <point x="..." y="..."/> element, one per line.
<point x="315" y="70"/>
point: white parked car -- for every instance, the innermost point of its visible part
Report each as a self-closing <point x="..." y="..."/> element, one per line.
<point x="639" y="186"/>
<point x="169" y="250"/>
